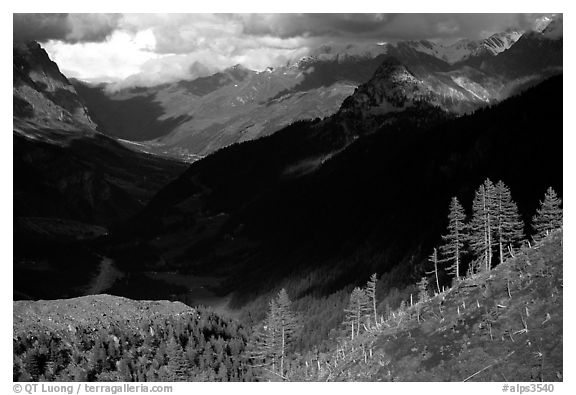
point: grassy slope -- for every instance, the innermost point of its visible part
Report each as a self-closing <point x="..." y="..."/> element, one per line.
<point x="475" y="330"/>
<point x="452" y="346"/>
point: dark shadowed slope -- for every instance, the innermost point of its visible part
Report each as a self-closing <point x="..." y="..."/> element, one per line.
<point x="62" y="167"/>
<point x="133" y="117"/>
<point x="317" y="194"/>
<point x="70" y="182"/>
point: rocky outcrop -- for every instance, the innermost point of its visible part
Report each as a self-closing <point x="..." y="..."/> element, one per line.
<point x="42" y="94"/>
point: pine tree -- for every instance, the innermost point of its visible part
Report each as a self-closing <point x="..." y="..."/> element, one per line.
<point x="371" y="293"/>
<point x="33" y="363"/>
<point x="123" y="367"/>
<point x="509" y="224"/>
<point x="481" y="227"/>
<point x="357" y="309"/>
<point x="287" y="323"/>
<point x="266" y="343"/>
<point x="178" y="365"/>
<point x="423" y="296"/>
<point x="422" y="285"/>
<point x="278" y="330"/>
<point x="549" y="216"/>
<point x="453" y="248"/>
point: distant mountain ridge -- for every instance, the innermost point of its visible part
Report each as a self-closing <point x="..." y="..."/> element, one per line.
<point x="191" y="119"/>
<point x="465" y="49"/>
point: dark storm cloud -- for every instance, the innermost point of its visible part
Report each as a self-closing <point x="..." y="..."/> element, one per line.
<point x="72" y="28"/>
<point x="39" y="27"/>
<point x="180" y="33"/>
<point x="384" y="26"/>
<point x="147" y="49"/>
<point x="293" y="25"/>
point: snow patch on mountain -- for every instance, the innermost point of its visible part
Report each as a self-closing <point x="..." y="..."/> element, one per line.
<point x="464" y="49"/>
<point x="554" y="29"/>
<point x="451" y="53"/>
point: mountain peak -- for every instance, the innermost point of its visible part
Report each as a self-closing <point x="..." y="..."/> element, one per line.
<point x="42" y="94"/>
<point x="30" y="57"/>
<point x="238" y="72"/>
<point x="392" y="69"/>
<point x="392" y="88"/>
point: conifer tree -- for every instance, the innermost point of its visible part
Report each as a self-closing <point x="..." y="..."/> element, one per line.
<point x="422" y="285"/>
<point x="278" y="330"/>
<point x="509" y="224"/>
<point x="178" y="365"/>
<point x="423" y="296"/>
<point x="357" y="309"/>
<point x="123" y="370"/>
<point x="453" y="246"/>
<point x="266" y="345"/>
<point x="287" y="324"/>
<point x="33" y="364"/>
<point x="371" y="293"/>
<point x="481" y="226"/>
<point x="549" y="215"/>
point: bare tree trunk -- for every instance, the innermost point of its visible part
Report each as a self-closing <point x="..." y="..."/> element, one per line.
<point x="501" y="250"/>
<point x="489" y="231"/>
<point x="500" y="241"/>
<point x="485" y="233"/>
<point x="436" y="269"/>
<point x="282" y="352"/>
<point x="374" y="306"/>
<point x="457" y="255"/>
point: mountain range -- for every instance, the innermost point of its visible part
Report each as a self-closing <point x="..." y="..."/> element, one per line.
<point x="191" y="119"/>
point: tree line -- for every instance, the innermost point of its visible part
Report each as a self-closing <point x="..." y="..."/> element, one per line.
<point x="495" y="230"/>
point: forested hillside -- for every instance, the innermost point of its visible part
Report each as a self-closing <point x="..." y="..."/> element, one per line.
<point x="108" y="338"/>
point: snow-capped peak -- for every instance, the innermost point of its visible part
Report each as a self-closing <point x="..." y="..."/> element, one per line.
<point x="542" y="23"/>
<point x="500" y="42"/>
<point x="464" y="49"/>
<point x="554" y="29"/>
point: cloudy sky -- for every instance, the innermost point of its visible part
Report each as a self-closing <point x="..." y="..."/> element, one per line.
<point x="145" y="49"/>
